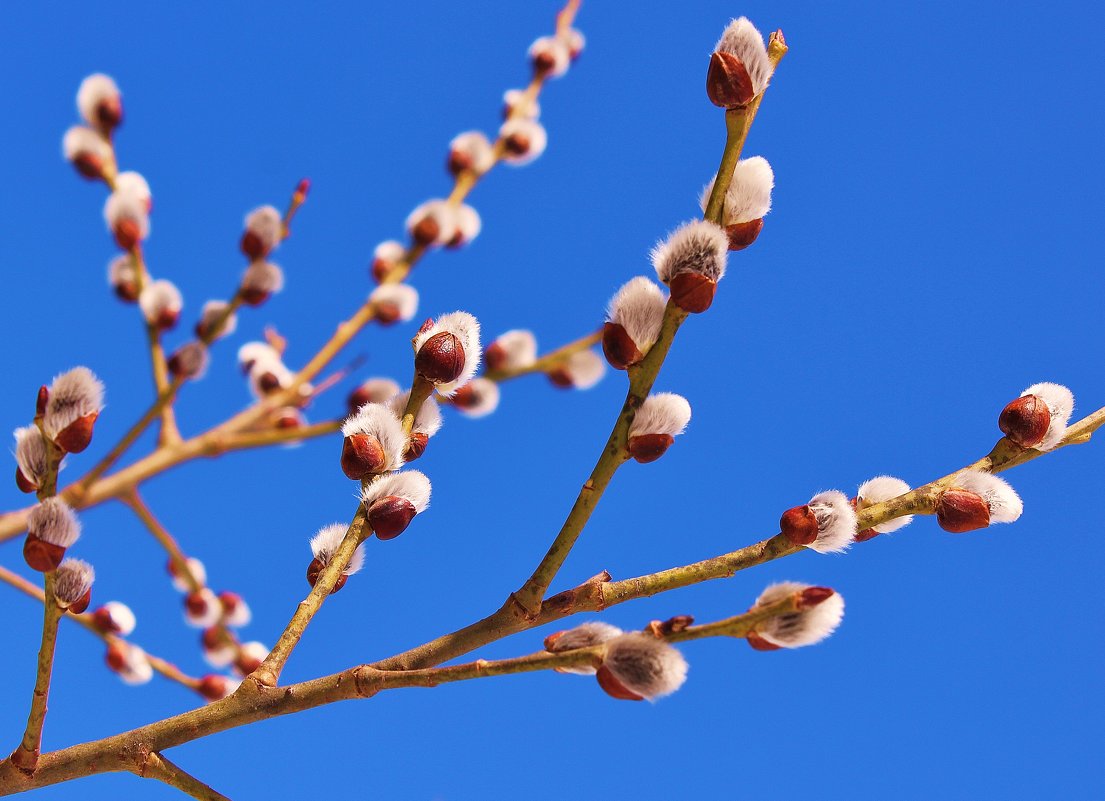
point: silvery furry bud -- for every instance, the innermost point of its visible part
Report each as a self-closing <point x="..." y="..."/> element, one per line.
<point x="135" y="185"/>
<point x="253" y="352"/>
<point x="524" y="140"/>
<point x="550" y="56"/>
<point x="741" y="39"/>
<point x="73" y="404"/>
<point x="236" y="612"/>
<point x="826" y="524"/>
<point x="100" y="103"/>
<point x="86" y="151"/>
<point x="374" y="390"/>
<point x="518" y="103"/>
<point x="387" y="256"/>
<point x="30" y="458"/>
<point x="195" y="568"/>
<point x="470" y="151"/>
<point x="202" y="608"/>
<point x="447" y="352"/>
<point x="51" y="528"/>
<point x="582" y="370"/>
<point x="323" y="547"/>
<point x="575" y="42"/>
<point x="373" y="442"/>
<point x="691" y="261"/>
<point x="161" y="303"/>
<point x="513" y="350"/>
<point x="975" y="500"/>
<point x="261" y="280"/>
<point x="634" y="318"/>
<point x="219" y="648"/>
<point x="216" y="312"/>
<point x="128" y="219"/>
<point x="250" y="656"/>
<point x="264" y="228"/>
<point x="747" y="201"/>
<point x="582" y="636"/>
<point x="428" y="420"/>
<point x="129" y="662"/>
<point x="877" y="490"/>
<point x="1039" y="417"/>
<point x="394" y="303"/>
<point x="637" y="666"/>
<point x="478" y="398"/>
<point x="123" y="278"/>
<point x="393" y="500"/>
<point x="468" y="226"/>
<point x="817" y="619"/>
<point x="189" y="361"/>
<point x="73" y="585"/>
<point x="432" y="223"/>
<point x="662" y="417"/>
<point x="115" y="617"/>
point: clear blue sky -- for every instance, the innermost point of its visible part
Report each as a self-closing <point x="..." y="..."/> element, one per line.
<point x="934" y="248"/>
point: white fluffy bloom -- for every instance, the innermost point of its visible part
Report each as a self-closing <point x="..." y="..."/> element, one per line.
<point x="575" y="42"/>
<point x="379" y="422"/>
<point x="202" y="609"/>
<point x="218" y="650"/>
<point x="661" y="413"/>
<point x="73" y="579"/>
<point x="699" y="246"/>
<point x="478" y="398"/>
<point x="550" y="56"/>
<point x="94" y="93"/>
<point x="513" y="350"/>
<point x="468" y="226"/>
<point x="746" y="43"/>
<point x="161" y="303"/>
<point x="409" y="484"/>
<point x="805" y="627"/>
<point x="136" y="668"/>
<point x="433" y="222"/>
<point x="471" y="151"/>
<point x="749" y="194"/>
<point x="582" y="636"/>
<point x="73" y="394"/>
<point x="374" y="390"/>
<point x="253" y="353"/>
<point x="582" y="370"/>
<point x="386" y="256"/>
<point x="30" y="454"/>
<point x="261" y="279"/>
<point x="236" y="612"/>
<point x="213" y="311"/>
<point x="645" y="665"/>
<point x="398" y="301"/>
<point x="1060" y="402"/>
<point x="517" y="102"/>
<point x="524" y="140"/>
<point x="54" y="522"/>
<point x="836" y="522"/>
<point x="133" y="184"/>
<point x="84" y="143"/>
<point x="465" y="328"/>
<point x="267" y="376"/>
<point x="117" y="618"/>
<point x="122" y="277"/>
<point x="266" y="226"/>
<point x="250" y="656"/>
<point x="123" y="207"/>
<point x="189" y="361"/>
<point x="879" y="489"/>
<point x="325" y="544"/>
<point x="427" y="421"/>
<point x="1005" y="505"/>
<point x="638" y="307"/>
<point x="195" y="567"/>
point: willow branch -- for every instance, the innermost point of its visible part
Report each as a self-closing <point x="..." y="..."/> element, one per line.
<point x="157" y="766"/>
<point x="549" y="362"/>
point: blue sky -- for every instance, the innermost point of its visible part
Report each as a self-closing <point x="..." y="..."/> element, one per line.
<point x="934" y="248"/>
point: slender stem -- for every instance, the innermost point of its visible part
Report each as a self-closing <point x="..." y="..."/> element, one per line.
<point x="550" y="361"/>
<point x="166" y="540"/>
<point x="421" y="389"/>
<point x="160" y="366"/>
<point x="25" y="757"/>
<point x="157" y="766"/>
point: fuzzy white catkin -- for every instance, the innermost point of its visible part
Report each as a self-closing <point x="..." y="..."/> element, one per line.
<point x="121" y="206"/>
<point x="409" y="484"/>
<point x="403" y="297"/>
<point x="190" y="361"/>
<point x="54" y="522"/>
<point x="464" y="327"/>
<point x="441" y="212"/>
<point x="518" y="349"/>
<point x="484" y="398"/>
<point x="221" y="655"/>
<point x="159" y="298"/>
<point x="30" y="453"/>
<point x="237" y="615"/>
<point x="805" y="627"/>
<point x="638" y="307"/>
<point x="73" y="579"/>
<point x="698" y="246"/>
<point x="475" y="147"/>
<point x="263" y="277"/>
<point x="266" y="223"/>
<point x="133" y="184"/>
<point x="80" y="141"/>
<point x="519" y="103"/>
<point x="585" y="368"/>
<point x="252" y="353"/>
<point x="123" y="621"/>
<point x="198" y="571"/>
<point x="428" y="420"/>
<point x="661" y="413"/>
<point x="214" y="310"/>
<point x="389" y="252"/>
<point x="645" y="665"/>
<point x="1060" y="403"/>
<point x="879" y="489"/>
<point x="210" y="613"/>
<point x="73" y="394"/>
<point x="749" y="194"/>
<point x="265" y="367"/>
<point x="94" y="90"/>
<point x="583" y="636"/>
<point x="120" y="270"/>
<point x="249" y="652"/>
<point x="1005" y="505"/>
<point x="325" y="544"/>
<point x="741" y="39"/>
<point x="555" y="51"/>
<point x="526" y="130"/>
<point x="378" y="421"/>
<point x="137" y="669"/>
<point x="836" y="522"/>
<point x="381" y="390"/>
<point x="468" y="223"/>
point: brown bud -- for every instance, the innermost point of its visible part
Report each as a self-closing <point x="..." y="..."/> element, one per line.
<point x="195" y="603"/>
<point x="866" y="534"/>
<point x="441" y="358"/>
<point x="426" y="231"/>
<point x="416" y="446"/>
<point x="618" y="346"/>
<point x="458" y="162"/>
<point x="362" y="455"/>
<point x="287" y="418"/>
<point x="253" y="296"/>
<point x="1025" y="421"/>
<point x="543" y="62"/>
<point x="387" y="313"/>
<point x="41" y="555"/>
<point x="230" y="602"/>
<point x="81" y="604"/>
<point x="390" y="516"/>
<point x="743" y="234"/>
<point x="212" y="687"/>
<point x="109" y="114"/>
<point x="89" y="166"/>
<point x="551" y="639"/>
<point x="128" y="233"/>
<point x="494" y="357"/>
<point x="728" y="83"/>
<point x="517" y="144"/>
<point x="252" y="246"/>
<point x="758" y="643"/>
<point x="958" y="510"/>
<point x="465" y="397"/>
<point x="167" y="319"/>
<point x="103" y="621"/>
<point x="247" y="664"/>
<point x="41" y="399"/>
<point x="614" y="688"/>
<point x="356" y="399"/>
<point x="799" y="525"/>
<point x="24" y="483"/>
<point x="380" y="269"/>
<point x="692" y="292"/>
<point x="561" y="378"/>
<point x="116" y="656"/>
<point x="212" y="638"/>
<point x="127" y="291"/>
<point x="299" y="197"/>
<point x="314" y="570"/>
<point x="76" y="436"/>
<point x="268" y="383"/>
<point x="647" y="448"/>
<point x="812" y="596"/>
<point x="673" y="625"/>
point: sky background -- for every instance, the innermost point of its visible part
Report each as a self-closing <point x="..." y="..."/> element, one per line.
<point x="934" y="248"/>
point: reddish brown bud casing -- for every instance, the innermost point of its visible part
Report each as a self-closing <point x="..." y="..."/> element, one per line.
<point x="494" y="357"/>
<point x="551" y="639"/>
<point x="127" y="233"/>
<point x="728" y="84"/>
<point x="24" y="483"/>
<point x="416" y="446"/>
<point x="247" y="664"/>
<point x="812" y="596"/>
<point x="458" y="162"/>
<point x="41" y="399"/>
<point x="77" y="436"/>
<point x="958" y="510"/>
<point x="212" y="687"/>
<point x="692" y="292"/>
<point x="618" y="347"/>
<point x="81" y="604"/>
<point x="866" y="534"/>
<point x="544" y="62"/>
<point x="287" y="418"/>
<point x="167" y="319"/>
<point x="561" y="378"/>
<point x="268" y="383"/>
<point x="441" y="358"/>
<point x="426" y="231"/>
<point x="390" y="516"/>
<point x="614" y="688"/>
<point x="109" y="114"/>
<point x="253" y="297"/>
<point x="252" y="246"/>
<point x="361" y="456"/>
<point x="356" y="399"/>
<point x="1025" y="421"/>
<point x="758" y="643"/>
<point x="314" y="570"/>
<point x="116" y="656"/>
<point x="41" y="555"/>
<point x="195" y="603"/>
<point x="103" y="621"/>
<point x="387" y="313"/>
<point x="517" y="144"/>
<point x="799" y="525"/>
<point x="647" y="448"/>
<point x="127" y="291"/>
<point x="743" y="234"/>
<point x="89" y="166"/>
<point x="672" y="625"/>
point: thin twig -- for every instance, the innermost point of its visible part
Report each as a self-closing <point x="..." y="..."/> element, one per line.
<point x="157" y="766"/>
